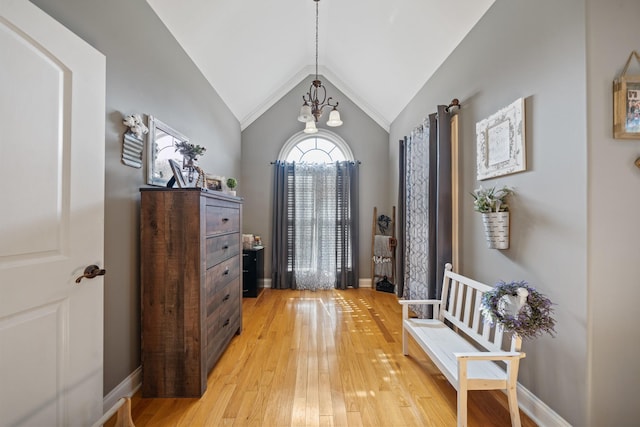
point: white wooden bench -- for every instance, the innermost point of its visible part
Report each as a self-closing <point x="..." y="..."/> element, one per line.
<point x="462" y="346"/>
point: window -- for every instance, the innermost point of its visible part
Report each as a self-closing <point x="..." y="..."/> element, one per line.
<point x="316" y="192"/>
<point x="321" y="147"/>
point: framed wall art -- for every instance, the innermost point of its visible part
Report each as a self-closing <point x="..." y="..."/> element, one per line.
<point x="626" y="103"/>
<point x="500" y="142"/>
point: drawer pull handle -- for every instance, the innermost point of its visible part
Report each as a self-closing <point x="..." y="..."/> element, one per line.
<point x="226" y="322"/>
<point x="225" y="247"/>
<point x="226" y="297"/>
<point x="225" y="219"/>
<point x="226" y="271"/>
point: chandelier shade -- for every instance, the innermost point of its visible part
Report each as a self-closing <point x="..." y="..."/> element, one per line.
<point x="334" y="118"/>
<point x="315" y="100"/>
<point x="310" y="127"/>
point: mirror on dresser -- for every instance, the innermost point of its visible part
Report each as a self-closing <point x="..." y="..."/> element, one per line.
<point x="161" y="147"/>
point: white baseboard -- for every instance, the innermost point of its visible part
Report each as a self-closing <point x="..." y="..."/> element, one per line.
<point x="365" y="283"/>
<point x="126" y="388"/>
<point x="537" y="410"/>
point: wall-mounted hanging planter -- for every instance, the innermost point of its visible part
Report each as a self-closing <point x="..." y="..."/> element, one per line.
<point x="492" y="204"/>
<point x="496" y="229"/>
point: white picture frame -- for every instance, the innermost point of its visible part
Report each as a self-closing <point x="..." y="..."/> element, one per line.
<point x="500" y="142"/>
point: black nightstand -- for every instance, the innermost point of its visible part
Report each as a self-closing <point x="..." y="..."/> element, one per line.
<point x="252" y="271"/>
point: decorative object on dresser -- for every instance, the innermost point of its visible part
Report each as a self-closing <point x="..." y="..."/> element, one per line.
<point x="191" y="286"/>
<point x="252" y="271"/>
<point x="232" y="183"/>
<point x="190" y="153"/>
<point x="178" y="178"/>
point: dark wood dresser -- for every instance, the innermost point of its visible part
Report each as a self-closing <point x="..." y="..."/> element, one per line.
<point x="191" y="286"/>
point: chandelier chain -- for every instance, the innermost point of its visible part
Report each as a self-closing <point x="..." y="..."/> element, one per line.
<point x="315" y="101"/>
<point x="317" y="1"/>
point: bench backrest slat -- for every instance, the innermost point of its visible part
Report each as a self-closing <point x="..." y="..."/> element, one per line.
<point x="476" y="324"/>
<point x="462" y="297"/>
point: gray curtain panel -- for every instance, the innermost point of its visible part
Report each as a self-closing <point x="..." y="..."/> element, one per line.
<point x="348" y="236"/>
<point x="283" y="233"/>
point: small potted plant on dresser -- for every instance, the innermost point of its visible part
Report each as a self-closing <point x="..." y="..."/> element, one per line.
<point x="492" y="204"/>
<point x="232" y="183"/>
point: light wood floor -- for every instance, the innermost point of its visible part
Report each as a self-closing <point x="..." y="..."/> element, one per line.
<point x="326" y="358"/>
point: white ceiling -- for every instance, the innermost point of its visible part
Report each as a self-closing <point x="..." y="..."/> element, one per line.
<point x="377" y="52"/>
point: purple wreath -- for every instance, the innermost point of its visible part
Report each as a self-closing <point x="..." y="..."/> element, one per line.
<point x="532" y="320"/>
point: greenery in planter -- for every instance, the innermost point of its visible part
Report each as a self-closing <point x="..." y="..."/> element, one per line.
<point x="533" y="317"/>
<point x="232" y="183"/>
<point x="491" y="199"/>
<point x="189" y="150"/>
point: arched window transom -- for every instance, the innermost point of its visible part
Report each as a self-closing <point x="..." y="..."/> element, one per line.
<point x="321" y="147"/>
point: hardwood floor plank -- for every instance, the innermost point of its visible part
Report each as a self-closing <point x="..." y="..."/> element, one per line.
<point x="324" y="358"/>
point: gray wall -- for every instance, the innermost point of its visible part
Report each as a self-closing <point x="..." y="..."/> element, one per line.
<point x="261" y="144"/>
<point x="614" y="233"/>
<point x="534" y="50"/>
<point x="147" y="73"/>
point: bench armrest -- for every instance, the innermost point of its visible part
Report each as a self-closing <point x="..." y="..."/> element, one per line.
<point x="406" y="302"/>
<point x="490" y="355"/>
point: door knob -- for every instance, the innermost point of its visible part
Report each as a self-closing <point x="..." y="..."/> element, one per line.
<point x="91" y="271"/>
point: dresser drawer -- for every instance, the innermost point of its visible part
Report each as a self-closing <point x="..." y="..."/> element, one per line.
<point x="225" y="271"/>
<point x="217" y="293"/>
<point x="222" y="220"/>
<point x="220" y="248"/>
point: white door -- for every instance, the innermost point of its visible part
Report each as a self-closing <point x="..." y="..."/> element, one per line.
<point x="52" y="118"/>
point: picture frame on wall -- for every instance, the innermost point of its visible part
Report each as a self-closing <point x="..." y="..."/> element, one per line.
<point x="626" y="103"/>
<point x="500" y="142"/>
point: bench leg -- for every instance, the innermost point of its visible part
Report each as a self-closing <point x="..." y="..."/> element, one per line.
<point x="512" y="396"/>
<point x="513" y="406"/>
<point x="462" y="392"/>
<point x="462" y="407"/>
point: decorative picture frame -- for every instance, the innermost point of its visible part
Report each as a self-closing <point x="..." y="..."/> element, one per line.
<point x="213" y="183"/>
<point x="500" y="142"/>
<point x="626" y="103"/>
<point x="177" y="174"/>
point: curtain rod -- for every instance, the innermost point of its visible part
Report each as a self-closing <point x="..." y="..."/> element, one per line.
<point x="352" y="162"/>
<point x="455" y="103"/>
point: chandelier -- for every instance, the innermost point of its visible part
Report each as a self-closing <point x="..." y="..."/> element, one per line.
<point x="316" y="99"/>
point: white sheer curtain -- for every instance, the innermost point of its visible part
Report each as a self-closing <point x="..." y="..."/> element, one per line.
<point x="315" y="219"/>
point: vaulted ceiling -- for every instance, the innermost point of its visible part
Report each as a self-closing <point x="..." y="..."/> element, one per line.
<point x="377" y="52"/>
